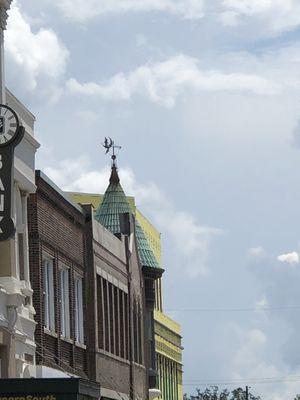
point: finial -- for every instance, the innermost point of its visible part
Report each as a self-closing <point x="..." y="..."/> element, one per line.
<point x="110" y="145"/>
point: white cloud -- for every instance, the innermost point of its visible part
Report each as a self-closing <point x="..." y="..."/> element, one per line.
<point x="262" y="303"/>
<point x="280" y="291"/>
<point x="83" y="11"/>
<point x="253" y="7"/>
<point x="35" y="59"/>
<point x="163" y="82"/>
<point x="250" y="364"/>
<point x="290" y="258"/>
<point x="256" y="251"/>
<point x="88" y="116"/>
<point x="270" y="16"/>
<point x="191" y="239"/>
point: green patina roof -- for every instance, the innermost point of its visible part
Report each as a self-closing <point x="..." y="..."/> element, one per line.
<point x="115" y="203"/>
<point x="147" y="257"/>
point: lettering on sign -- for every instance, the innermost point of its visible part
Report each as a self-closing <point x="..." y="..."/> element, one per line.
<point x="29" y="397"/>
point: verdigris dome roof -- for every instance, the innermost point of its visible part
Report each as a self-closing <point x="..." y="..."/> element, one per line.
<point x="115" y="203"/>
<point x="146" y="255"/>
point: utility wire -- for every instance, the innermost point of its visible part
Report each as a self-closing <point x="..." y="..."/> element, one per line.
<point x="233" y="309"/>
<point x="242" y="383"/>
<point x="211" y="382"/>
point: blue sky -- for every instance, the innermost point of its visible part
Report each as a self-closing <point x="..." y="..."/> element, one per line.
<point x="203" y="96"/>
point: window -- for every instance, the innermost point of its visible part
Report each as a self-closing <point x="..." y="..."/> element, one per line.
<point x="21" y="255"/>
<point x="79" y="335"/>
<point x="21" y="227"/>
<point x="100" y="311"/>
<point x="49" y="320"/>
<point x="64" y="303"/>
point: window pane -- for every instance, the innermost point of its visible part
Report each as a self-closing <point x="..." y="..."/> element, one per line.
<point x="51" y="296"/>
<point x="79" y="311"/>
<point x="49" y="321"/>
<point x="64" y="303"/>
<point x="46" y="294"/>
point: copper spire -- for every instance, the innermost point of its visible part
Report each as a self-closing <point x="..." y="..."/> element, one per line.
<point x="114" y="176"/>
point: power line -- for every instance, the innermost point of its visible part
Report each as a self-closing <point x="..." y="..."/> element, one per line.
<point x="212" y="382"/>
<point x="234" y="309"/>
<point x="241" y="383"/>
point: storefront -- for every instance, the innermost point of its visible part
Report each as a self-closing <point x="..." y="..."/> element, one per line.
<point x="48" y="389"/>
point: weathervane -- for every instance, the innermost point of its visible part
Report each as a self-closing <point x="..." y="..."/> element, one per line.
<point x="110" y="145"/>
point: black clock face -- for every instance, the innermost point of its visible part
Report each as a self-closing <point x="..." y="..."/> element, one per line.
<point x="9" y="125"/>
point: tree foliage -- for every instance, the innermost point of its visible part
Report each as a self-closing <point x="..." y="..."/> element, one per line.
<point x="213" y="393"/>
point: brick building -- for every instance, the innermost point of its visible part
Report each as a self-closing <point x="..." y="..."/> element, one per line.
<point x="168" y="340"/>
<point x="143" y="271"/>
<point x="57" y="270"/>
<point x="94" y="295"/>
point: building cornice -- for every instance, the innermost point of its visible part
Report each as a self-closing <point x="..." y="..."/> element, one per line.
<point x="4" y="7"/>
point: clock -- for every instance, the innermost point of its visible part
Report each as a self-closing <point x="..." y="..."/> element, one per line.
<point x="9" y="125"/>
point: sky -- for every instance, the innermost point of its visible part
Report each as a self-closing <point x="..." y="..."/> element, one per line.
<point x="204" y="98"/>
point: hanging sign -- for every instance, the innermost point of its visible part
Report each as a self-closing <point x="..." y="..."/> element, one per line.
<point x="11" y="133"/>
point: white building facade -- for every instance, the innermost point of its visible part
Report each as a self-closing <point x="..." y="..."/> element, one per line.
<point x="17" y="325"/>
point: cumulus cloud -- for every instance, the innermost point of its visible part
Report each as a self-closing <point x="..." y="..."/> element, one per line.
<point x="36" y="60"/>
<point x="245" y="358"/>
<point x="163" y="82"/>
<point x="82" y="11"/>
<point x="250" y="364"/>
<point x="290" y="258"/>
<point x="271" y="16"/>
<point x="191" y="239"/>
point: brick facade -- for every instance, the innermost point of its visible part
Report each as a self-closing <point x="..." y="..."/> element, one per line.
<point x="56" y="230"/>
<point x="117" y="345"/>
<point x="116" y="351"/>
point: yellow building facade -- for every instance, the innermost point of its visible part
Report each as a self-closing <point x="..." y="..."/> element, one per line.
<point x="167" y="332"/>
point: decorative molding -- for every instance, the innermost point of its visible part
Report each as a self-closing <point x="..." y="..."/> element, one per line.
<point x="4" y="7"/>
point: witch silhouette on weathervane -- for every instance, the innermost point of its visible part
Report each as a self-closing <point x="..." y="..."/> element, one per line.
<point x="109" y="145"/>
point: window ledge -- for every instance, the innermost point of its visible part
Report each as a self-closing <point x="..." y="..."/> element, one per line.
<point x="51" y="333"/>
<point x="82" y="345"/>
<point x="138" y="365"/>
<point x="67" y="339"/>
<point x="111" y="355"/>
